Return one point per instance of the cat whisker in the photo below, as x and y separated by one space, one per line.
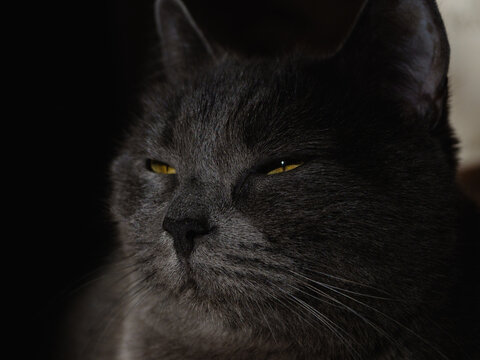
290 309
266 322
362 294
348 308
257 304
375 310
323 319
352 282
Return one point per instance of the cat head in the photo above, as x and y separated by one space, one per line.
269 186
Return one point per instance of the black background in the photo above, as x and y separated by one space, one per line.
77 70
81 63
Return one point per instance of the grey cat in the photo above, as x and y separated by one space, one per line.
297 207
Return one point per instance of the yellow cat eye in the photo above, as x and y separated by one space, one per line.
161 168
284 167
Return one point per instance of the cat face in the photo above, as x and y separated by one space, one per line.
222 146
281 184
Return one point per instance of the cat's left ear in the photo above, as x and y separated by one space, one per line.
400 47
184 47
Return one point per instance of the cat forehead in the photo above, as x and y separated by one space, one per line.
246 105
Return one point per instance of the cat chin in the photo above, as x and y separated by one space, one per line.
198 284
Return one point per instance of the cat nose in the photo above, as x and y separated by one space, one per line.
184 232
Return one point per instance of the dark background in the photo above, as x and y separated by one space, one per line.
82 61
82 66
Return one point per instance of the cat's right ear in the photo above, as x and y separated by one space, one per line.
184 47
400 48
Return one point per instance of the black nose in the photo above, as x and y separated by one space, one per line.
184 232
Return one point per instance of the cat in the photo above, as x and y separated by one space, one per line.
296 207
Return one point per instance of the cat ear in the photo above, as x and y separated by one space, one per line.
183 45
401 47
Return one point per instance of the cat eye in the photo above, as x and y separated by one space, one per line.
282 166
160 167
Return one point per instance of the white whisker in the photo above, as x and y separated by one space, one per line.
324 320
375 310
